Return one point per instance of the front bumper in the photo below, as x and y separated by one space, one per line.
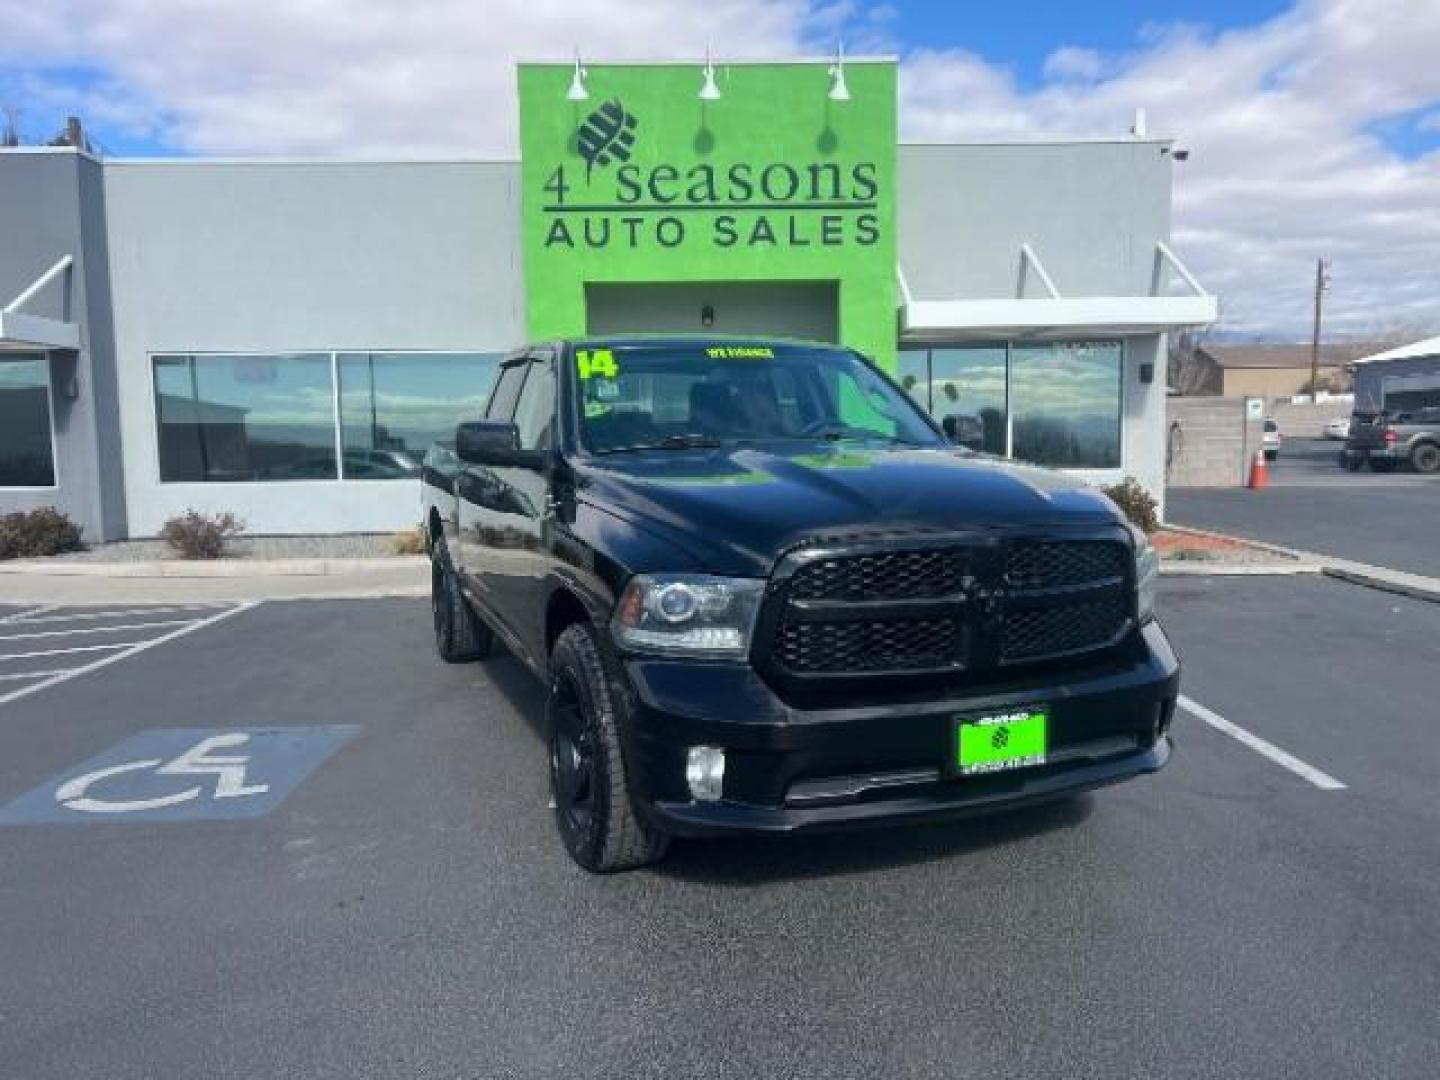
790 770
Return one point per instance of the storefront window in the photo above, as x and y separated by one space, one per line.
970 383
26 449
228 418
1066 404
1054 404
394 405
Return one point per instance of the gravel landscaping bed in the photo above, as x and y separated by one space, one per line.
1190 548
357 546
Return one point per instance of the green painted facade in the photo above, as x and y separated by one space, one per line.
643 182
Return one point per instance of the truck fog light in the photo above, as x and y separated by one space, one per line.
705 772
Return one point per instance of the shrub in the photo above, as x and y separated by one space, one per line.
196 535
1136 503
28 534
409 542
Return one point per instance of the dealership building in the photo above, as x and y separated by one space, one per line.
283 338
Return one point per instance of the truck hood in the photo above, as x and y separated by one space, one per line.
736 509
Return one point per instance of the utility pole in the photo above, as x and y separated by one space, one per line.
1322 282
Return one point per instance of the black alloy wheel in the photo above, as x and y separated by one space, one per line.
572 762
598 820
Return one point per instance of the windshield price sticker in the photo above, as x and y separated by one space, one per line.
592 362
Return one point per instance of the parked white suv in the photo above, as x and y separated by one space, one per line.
1271 440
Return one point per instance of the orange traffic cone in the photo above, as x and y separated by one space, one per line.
1259 472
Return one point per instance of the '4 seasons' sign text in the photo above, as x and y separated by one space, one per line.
611 201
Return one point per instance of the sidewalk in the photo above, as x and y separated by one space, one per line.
175 580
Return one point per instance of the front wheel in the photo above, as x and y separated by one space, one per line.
460 636
589 781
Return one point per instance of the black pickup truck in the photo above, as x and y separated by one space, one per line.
767 595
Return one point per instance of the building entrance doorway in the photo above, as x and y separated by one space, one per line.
804 309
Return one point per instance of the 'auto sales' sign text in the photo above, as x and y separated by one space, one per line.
605 200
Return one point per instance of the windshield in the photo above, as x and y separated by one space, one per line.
643 397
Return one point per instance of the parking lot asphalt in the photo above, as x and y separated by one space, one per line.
1388 520
407 911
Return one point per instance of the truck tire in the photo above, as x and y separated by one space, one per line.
589 782
460 636
1425 458
1381 465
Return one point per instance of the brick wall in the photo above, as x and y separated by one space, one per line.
1209 442
1302 420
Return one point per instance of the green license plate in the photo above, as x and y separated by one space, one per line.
1000 741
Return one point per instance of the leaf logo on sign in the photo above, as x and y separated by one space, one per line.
606 135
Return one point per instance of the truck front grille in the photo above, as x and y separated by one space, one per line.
970 606
872 645
1067 628
899 575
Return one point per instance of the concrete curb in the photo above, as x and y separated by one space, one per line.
220 568
1390 581
1399 582
1200 568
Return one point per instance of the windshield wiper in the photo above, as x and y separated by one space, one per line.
687 441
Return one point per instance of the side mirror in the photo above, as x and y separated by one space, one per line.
964 430
495 443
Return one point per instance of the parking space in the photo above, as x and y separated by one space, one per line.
42 645
403 909
1312 504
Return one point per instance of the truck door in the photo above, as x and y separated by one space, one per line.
477 489
517 566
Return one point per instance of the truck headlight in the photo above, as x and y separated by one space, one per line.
687 614
1147 575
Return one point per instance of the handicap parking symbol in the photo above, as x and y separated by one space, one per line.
182 775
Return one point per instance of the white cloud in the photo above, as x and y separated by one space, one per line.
1073 62
1281 118
354 76
1284 165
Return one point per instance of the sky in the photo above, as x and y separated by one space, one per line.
1313 127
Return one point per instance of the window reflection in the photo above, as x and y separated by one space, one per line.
912 372
26 450
1061 401
393 406
272 417
971 383
230 418
1067 404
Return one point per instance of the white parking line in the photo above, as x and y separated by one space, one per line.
95 629
30 675
72 648
19 615
115 658
1284 759
38 616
